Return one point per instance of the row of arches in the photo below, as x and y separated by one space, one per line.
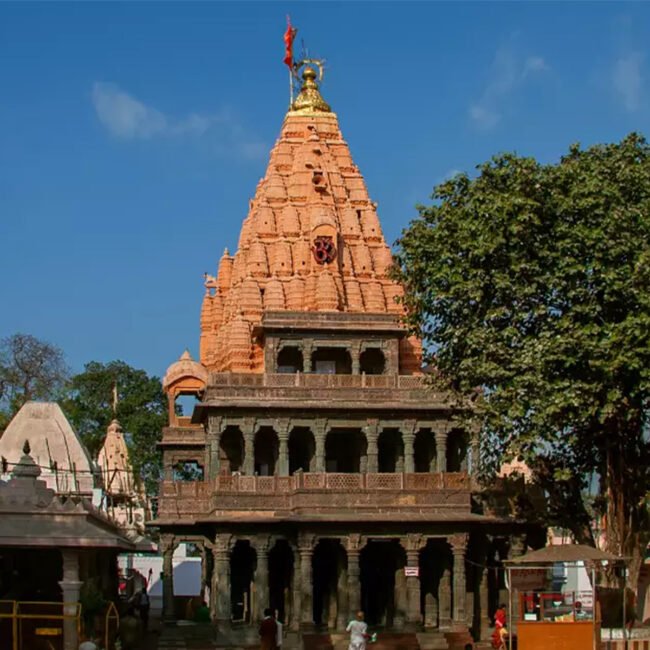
345 450
331 361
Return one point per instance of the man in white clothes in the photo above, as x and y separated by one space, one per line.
278 634
358 630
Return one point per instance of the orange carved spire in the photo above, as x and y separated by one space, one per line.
311 242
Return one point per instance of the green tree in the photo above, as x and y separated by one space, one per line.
30 369
532 283
141 408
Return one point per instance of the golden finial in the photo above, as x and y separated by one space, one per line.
309 99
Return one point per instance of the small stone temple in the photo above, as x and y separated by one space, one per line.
319 472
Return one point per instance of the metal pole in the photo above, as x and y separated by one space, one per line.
624 608
593 606
509 574
290 88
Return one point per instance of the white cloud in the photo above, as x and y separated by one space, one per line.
508 72
627 80
126 117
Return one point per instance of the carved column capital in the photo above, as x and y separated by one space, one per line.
216 425
222 545
168 543
458 543
282 427
262 544
413 542
354 542
319 427
440 428
372 427
247 426
306 543
408 429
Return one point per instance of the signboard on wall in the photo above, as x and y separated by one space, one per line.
412 571
528 579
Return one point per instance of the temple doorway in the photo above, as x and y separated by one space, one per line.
242 564
280 579
328 566
379 563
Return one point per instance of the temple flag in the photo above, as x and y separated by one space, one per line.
289 35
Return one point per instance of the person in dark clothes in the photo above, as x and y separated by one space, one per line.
268 631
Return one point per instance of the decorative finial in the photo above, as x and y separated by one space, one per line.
26 448
309 99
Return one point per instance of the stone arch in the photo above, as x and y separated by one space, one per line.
231 450
329 595
372 361
457 451
345 451
390 451
242 572
424 451
290 359
266 451
281 576
302 447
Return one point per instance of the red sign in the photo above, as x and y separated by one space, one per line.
413 571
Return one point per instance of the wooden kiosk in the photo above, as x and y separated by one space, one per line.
547 615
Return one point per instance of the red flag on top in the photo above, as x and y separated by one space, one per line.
289 35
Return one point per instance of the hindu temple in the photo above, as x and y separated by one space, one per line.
319 472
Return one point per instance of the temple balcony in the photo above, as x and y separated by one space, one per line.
325 390
444 496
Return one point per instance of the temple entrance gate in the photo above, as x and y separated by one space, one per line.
383 588
281 577
242 563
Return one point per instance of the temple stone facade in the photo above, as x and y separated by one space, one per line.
319 473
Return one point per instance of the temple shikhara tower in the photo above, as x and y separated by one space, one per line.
319 473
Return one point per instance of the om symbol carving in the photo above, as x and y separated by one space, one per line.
324 250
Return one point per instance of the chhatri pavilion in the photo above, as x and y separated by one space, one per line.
327 475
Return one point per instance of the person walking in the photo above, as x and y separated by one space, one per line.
268 631
358 630
143 604
130 631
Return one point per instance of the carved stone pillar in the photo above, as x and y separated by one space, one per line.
355 356
306 545
484 595
320 433
296 591
307 348
408 438
247 427
399 618
282 429
215 429
444 594
475 448
458 548
412 545
168 545
517 547
441 430
353 545
220 606
371 430
70 586
262 547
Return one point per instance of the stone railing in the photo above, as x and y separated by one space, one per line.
302 380
317 494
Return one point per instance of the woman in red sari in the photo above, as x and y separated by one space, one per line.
500 632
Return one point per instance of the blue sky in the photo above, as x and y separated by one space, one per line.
133 135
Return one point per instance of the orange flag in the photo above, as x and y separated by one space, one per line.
289 35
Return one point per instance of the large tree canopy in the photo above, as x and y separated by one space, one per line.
532 283
141 408
30 369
